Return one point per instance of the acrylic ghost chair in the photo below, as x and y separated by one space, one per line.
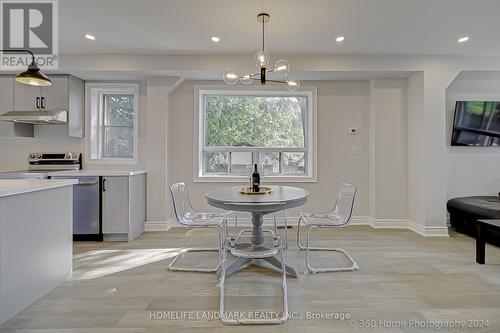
339 217
188 217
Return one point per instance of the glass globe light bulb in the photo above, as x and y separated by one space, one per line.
282 66
230 77
262 58
292 84
246 78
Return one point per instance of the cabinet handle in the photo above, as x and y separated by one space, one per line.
104 184
38 102
43 103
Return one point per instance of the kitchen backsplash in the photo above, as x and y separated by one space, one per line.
14 150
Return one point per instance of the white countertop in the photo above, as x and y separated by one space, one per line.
90 172
19 186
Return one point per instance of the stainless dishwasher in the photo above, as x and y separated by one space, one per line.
86 208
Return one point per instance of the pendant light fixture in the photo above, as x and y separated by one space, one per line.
262 60
32 76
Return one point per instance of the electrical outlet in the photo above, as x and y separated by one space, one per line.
353 131
354 150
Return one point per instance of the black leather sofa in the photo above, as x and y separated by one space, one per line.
464 212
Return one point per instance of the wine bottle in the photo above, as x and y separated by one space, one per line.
255 180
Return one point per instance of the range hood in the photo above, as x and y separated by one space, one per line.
36 117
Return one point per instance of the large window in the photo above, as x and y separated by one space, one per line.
112 122
238 129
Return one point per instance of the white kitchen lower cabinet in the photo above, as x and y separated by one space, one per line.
123 207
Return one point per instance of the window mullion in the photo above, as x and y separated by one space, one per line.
280 163
101 125
256 149
306 165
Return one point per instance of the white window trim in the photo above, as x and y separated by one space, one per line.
93 94
311 140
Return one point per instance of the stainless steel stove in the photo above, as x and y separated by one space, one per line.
41 164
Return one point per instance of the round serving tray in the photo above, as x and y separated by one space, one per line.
262 190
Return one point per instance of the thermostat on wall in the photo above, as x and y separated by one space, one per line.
353 131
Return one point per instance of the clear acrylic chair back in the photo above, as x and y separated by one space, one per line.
182 205
345 202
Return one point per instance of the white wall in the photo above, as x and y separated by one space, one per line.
472 170
388 150
416 150
340 105
14 151
158 91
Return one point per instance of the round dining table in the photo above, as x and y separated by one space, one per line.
280 198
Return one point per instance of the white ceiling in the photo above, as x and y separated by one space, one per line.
371 27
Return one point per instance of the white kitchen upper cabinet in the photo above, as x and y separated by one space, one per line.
67 93
8 128
76 107
56 97
26 97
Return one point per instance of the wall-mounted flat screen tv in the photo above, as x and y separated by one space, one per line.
476 124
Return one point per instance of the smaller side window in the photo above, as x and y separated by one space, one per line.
112 116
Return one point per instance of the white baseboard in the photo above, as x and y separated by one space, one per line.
159 225
380 223
401 224
356 220
115 238
428 231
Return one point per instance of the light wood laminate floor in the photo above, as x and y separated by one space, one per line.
404 281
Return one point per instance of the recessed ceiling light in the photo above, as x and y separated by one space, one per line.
340 39
89 37
463 39
215 39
